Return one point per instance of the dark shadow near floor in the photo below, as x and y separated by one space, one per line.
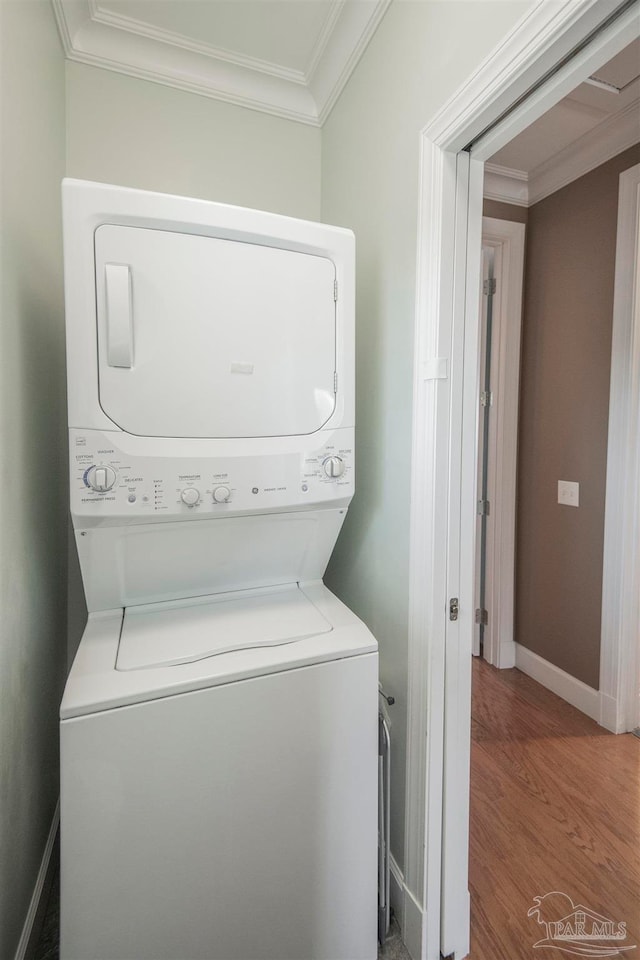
47 937
393 947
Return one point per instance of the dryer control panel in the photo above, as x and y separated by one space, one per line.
108 483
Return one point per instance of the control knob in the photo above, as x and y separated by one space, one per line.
333 467
190 496
101 478
221 494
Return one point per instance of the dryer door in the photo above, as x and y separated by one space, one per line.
204 337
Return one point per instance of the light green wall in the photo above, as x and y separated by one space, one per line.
140 134
421 53
33 459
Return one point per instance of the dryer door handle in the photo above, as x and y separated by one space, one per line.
117 281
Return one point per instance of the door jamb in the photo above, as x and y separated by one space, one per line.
544 37
507 239
619 654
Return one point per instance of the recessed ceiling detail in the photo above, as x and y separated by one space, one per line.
282 57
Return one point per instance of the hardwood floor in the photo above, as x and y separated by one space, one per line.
555 806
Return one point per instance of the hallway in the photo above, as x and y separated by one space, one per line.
555 806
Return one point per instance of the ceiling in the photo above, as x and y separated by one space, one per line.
598 119
290 58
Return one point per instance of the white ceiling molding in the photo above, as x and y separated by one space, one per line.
611 136
506 185
97 36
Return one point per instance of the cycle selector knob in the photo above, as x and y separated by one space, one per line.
333 467
101 478
190 496
221 494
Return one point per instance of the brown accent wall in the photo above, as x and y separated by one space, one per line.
564 407
505 211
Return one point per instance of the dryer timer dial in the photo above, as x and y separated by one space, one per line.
333 467
101 478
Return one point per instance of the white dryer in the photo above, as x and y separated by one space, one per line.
219 724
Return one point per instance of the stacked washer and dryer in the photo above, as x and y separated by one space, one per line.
219 725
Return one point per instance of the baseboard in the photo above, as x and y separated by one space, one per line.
32 912
407 911
396 893
574 691
413 929
609 714
507 655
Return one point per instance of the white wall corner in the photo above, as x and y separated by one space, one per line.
574 691
506 185
32 912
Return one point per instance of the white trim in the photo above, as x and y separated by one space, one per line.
547 34
574 691
619 659
616 133
139 49
506 185
32 912
507 240
396 891
607 140
428 583
603 47
413 932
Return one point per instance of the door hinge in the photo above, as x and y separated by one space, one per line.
486 398
335 289
484 508
454 607
335 381
489 287
482 616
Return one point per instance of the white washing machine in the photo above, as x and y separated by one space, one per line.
219 724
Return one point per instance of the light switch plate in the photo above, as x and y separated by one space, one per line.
569 493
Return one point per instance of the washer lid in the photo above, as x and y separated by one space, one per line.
165 634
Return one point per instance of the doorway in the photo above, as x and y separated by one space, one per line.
447 351
531 752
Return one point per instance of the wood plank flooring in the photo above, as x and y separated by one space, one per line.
555 806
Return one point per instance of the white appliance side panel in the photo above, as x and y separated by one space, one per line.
147 563
237 823
206 337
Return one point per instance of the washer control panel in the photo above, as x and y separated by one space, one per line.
110 483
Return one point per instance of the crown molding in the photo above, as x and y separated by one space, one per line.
610 137
506 184
124 45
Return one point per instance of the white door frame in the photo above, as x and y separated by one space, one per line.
436 902
506 238
620 643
